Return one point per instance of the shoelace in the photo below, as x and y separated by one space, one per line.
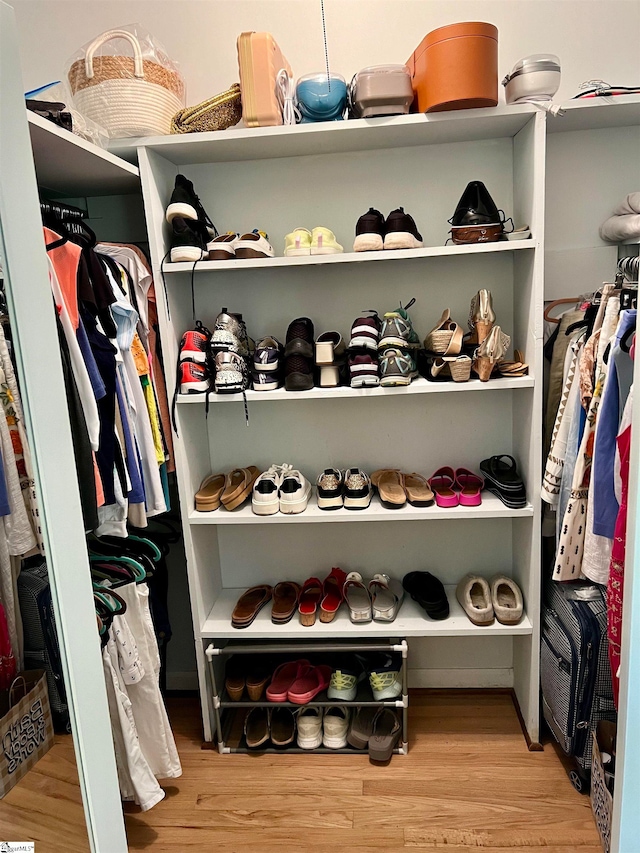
275 471
380 680
342 681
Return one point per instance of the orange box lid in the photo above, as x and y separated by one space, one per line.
451 31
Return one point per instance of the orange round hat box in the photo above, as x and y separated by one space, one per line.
456 68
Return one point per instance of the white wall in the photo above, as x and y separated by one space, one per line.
593 38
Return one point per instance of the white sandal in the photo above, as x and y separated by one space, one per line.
357 597
387 595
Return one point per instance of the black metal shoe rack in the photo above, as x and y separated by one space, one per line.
229 715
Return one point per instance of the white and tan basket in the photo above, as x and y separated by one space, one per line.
128 96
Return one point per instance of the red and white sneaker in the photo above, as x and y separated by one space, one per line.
194 378
193 346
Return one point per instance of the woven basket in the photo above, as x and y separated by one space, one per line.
128 96
217 113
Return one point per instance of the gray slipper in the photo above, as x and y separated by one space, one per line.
386 733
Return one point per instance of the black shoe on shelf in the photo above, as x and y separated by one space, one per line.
401 231
298 355
428 592
187 241
476 218
186 204
370 230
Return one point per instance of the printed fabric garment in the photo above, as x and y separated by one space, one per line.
605 505
12 405
557 374
154 731
597 549
135 777
615 586
574 437
552 477
5 509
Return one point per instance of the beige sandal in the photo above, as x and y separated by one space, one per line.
417 489
518 367
445 338
210 491
457 367
491 351
391 489
482 317
238 486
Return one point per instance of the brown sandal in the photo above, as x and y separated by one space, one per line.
249 605
238 486
285 602
418 490
210 491
391 489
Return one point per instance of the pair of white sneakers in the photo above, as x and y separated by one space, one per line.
281 488
323 726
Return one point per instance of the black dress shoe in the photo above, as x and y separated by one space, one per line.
429 592
476 207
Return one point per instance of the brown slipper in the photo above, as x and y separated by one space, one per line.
285 602
391 489
238 486
210 491
249 605
418 490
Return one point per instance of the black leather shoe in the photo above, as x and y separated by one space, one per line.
476 207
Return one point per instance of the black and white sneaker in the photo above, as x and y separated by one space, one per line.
185 204
358 490
401 231
265 381
330 485
268 355
230 335
187 241
231 373
370 229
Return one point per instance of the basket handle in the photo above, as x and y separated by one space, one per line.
138 66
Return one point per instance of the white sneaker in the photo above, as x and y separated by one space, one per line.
336 727
265 499
295 491
309 728
254 245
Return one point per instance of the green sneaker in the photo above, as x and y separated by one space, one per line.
397 330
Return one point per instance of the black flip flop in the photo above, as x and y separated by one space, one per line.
503 474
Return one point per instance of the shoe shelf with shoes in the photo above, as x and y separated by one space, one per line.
332 697
309 335
412 621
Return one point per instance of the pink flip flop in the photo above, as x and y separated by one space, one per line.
311 681
443 486
284 676
469 486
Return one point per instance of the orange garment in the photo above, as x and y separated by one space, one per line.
98 478
66 260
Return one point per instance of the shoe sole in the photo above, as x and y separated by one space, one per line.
365 382
310 743
402 240
326 250
186 253
368 243
358 503
392 381
198 356
194 387
334 742
220 254
181 209
391 341
266 386
330 503
298 382
294 507
247 254
265 508
297 253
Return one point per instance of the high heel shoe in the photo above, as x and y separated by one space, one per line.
481 316
492 350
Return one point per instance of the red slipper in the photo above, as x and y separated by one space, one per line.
312 680
310 596
284 676
333 594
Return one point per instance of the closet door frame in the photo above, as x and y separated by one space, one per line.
47 423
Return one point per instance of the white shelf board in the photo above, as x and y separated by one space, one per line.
418 386
69 165
491 507
411 621
597 113
261 143
352 257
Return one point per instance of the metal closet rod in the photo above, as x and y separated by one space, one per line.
286 648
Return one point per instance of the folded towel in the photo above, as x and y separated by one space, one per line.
631 204
616 229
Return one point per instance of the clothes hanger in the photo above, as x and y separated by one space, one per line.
140 573
569 300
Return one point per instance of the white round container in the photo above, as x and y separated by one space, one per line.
534 78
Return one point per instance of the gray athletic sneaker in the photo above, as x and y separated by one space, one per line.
397 367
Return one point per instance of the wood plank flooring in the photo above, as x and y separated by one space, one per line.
468 783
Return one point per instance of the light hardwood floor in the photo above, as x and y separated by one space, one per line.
468 782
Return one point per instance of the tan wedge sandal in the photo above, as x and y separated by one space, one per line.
210 492
490 352
238 486
482 317
417 489
446 337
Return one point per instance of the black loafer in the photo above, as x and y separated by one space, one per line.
429 592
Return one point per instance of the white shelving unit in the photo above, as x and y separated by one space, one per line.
276 179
